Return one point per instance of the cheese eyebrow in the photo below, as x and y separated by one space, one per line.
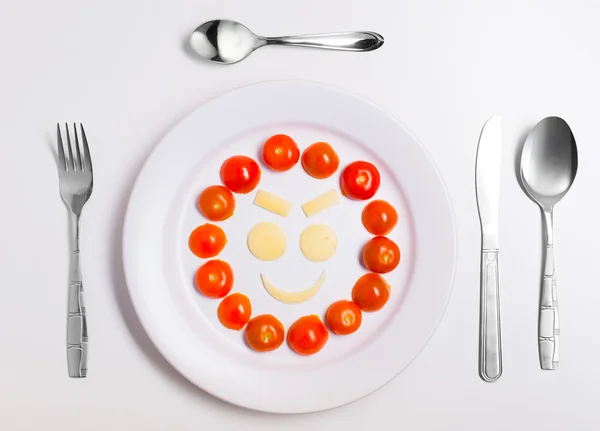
272 203
321 203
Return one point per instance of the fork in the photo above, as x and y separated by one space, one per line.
75 178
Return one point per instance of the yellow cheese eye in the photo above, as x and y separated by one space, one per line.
318 242
267 241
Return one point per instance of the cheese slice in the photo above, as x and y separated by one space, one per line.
318 242
293 297
321 203
272 203
266 241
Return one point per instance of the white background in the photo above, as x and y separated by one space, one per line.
121 68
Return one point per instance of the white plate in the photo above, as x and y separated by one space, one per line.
160 268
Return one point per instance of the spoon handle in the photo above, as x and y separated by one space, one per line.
548 329
490 341
344 41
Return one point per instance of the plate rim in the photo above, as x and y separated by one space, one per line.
136 302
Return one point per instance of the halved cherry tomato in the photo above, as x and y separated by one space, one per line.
240 174
280 153
320 161
214 279
216 203
207 241
379 217
371 292
234 311
343 317
264 333
381 255
360 180
307 335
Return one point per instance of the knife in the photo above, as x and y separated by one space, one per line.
487 180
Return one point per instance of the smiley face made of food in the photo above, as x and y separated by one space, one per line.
267 241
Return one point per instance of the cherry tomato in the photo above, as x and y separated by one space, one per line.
307 335
371 292
234 311
214 279
379 217
360 180
343 317
381 255
216 203
207 241
320 161
264 333
240 174
280 153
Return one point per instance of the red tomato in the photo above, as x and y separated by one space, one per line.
264 333
214 279
280 153
343 317
234 311
207 241
360 180
371 292
379 217
307 335
381 255
216 203
240 174
320 161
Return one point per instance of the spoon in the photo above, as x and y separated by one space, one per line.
227 42
548 168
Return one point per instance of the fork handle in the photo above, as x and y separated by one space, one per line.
77 334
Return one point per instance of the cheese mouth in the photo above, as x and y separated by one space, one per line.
293 297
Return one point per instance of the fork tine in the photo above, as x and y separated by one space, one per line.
71 163
61 151
79 162
86 150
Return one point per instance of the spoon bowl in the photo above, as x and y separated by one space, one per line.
549 162
547 171
224 41
228 42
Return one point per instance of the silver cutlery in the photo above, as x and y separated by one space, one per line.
75 182
548 168
487 178
227 42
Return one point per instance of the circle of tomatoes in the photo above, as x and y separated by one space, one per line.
214 279
207 240
280 153
240 174
264 333
379 217
234 311
216 203
381 255
343 317
360 180
307 335
370 292
320 160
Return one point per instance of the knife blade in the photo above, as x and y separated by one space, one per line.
487 180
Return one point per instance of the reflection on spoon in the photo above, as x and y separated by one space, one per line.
227 42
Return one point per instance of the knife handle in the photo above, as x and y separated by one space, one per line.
490 342
548 329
